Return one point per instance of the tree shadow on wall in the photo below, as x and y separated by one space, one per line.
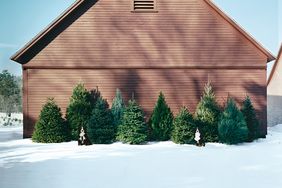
258 95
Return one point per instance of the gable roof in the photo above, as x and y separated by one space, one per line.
19 56
33 47
275 65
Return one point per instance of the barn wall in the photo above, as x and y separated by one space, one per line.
180 86
174 50
182 33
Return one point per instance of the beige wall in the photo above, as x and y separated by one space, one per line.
274 110
274 95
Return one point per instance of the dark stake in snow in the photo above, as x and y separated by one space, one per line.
198 138
83 138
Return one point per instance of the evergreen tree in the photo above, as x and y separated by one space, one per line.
100 128
95 94
8 84
251 119
10 93
184 128
117 108
207 115
51 127
232 126
79 110
133 129
161 120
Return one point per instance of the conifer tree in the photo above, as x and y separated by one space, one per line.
95 94
133 129
207 115
100 128
79 110
251 119
232 127
117 108
51 127
161 120
184 127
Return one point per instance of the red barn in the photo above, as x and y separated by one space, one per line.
143 47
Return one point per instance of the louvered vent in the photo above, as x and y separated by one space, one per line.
143 5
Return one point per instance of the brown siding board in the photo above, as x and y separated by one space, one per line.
186 33
181 86
27 129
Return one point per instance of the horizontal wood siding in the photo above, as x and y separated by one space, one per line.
181 34
180 86
175 49
27 122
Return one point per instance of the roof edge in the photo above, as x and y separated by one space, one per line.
275 65
45 30
270 56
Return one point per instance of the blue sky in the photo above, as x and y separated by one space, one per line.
21 20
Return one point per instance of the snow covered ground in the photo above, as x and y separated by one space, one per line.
16 119
156 165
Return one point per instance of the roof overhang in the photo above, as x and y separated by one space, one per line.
275 65
18 56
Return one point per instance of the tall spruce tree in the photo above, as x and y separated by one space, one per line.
207 115
249 113
51 127
161 120
133 129
184 127
232 127
118 108
100 128
79 110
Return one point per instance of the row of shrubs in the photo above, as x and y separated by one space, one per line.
104 125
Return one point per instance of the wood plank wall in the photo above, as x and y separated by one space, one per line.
182 33
180 86
174 50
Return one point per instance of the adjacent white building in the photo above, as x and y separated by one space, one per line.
274 93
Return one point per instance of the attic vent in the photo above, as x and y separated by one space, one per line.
144 6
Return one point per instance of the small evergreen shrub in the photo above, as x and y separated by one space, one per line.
184 128
117 108
51 127
232 126
79 110
207 115
161 120
251 119
100 128
133 129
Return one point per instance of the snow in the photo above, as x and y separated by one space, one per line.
13 130
157 165
16 119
